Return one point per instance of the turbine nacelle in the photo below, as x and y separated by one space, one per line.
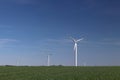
76 40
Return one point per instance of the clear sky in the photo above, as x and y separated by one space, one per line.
31 29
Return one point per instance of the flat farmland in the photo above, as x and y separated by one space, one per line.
59 73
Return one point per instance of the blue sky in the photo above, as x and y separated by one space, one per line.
31 29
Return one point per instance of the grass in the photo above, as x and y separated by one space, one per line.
59 73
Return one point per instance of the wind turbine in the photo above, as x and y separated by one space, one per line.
48 59
18 61
75 49
84 64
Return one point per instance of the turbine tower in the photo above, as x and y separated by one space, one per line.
75 49
48 59
18 62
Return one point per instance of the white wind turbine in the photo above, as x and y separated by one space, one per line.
48 59
75 49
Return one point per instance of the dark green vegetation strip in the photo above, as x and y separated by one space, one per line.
59 73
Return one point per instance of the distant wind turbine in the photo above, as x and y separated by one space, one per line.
48 59
18 62
75 49
84 64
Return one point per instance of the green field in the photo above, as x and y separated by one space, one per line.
59 73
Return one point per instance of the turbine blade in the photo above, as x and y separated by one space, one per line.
73 39
75 46
79 39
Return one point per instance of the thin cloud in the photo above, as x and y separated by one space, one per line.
59 40
49 43
111 42
4 42
103 42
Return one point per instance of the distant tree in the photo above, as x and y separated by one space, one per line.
60 65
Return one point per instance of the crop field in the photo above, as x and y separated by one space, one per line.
59 73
